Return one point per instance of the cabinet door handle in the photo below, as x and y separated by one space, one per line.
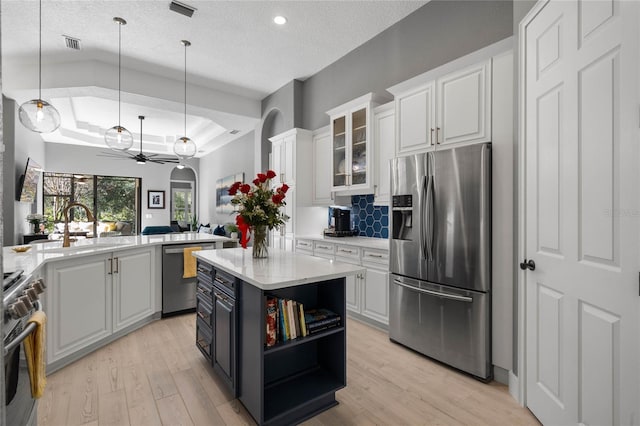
374 255
282 177
346 251
432 136
437 135
117 269
110 270
324 247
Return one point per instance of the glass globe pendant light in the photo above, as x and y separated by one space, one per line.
184 147
118 138
38 115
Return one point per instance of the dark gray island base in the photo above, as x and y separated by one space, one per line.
291 381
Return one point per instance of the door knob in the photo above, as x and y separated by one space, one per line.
530 265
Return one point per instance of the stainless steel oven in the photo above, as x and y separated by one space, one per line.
20 301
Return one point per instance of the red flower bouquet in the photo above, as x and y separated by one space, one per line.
258 209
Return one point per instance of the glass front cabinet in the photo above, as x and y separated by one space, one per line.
352 149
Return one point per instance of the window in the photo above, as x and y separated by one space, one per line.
113 200
181 203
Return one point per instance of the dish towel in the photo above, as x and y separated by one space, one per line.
189 268
34 346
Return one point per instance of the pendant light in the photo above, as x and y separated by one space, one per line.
184 147
118 138
38 115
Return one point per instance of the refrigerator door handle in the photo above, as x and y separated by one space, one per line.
430 220
436 293
423 194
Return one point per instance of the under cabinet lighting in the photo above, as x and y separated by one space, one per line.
280 20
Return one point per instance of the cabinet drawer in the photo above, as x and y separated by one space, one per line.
225 282
379 257
305 246
347 253
322 249
204 311
204 340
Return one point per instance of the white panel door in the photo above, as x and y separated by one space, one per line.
464 105
289 160
276 163
581 222
134 287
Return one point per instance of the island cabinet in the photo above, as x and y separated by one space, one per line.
91 299
288 381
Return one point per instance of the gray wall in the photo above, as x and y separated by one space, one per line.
433 35
20 144
235 157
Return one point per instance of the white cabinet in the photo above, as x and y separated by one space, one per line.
291 152
79 304
455 107
367 293
351 148
92 297
415 112
384 142
321 194
133 286
464 105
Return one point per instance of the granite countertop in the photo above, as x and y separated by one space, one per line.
41 253
280 270
366 242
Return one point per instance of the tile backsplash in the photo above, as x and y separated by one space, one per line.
369 220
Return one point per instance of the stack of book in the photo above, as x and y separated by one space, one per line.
287 320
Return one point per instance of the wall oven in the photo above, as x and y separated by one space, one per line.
21 300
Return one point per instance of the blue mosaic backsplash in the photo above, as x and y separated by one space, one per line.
369 220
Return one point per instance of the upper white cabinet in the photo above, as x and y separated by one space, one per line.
290 160
321 193
351 148
455 107
464 105
384 142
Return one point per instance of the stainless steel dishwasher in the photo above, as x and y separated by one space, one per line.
178 294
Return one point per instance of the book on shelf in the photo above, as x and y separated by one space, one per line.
272 325
287 320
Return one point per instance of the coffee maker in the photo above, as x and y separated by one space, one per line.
342 223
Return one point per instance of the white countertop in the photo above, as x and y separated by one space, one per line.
41 253
281 269
366 242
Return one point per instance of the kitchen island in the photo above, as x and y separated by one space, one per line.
292 380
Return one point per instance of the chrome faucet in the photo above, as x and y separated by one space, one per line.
66 241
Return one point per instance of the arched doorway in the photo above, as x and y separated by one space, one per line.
183 194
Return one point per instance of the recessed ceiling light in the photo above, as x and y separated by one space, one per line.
280 20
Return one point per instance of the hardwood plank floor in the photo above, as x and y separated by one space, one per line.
156 376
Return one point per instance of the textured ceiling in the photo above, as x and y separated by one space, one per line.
236 47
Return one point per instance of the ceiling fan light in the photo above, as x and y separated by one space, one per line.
184 148
180 165
118 138
39 116
141 161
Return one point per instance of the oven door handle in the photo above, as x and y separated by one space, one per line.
25 333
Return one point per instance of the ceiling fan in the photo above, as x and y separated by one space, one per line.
141 158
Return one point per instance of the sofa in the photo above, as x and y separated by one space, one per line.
104 229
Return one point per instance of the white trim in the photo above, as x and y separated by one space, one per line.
519 382
514 388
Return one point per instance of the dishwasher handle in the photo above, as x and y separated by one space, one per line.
436 293
181 250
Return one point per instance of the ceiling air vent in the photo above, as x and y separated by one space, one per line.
71 42
234 131
182 8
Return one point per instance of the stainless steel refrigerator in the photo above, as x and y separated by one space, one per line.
440 249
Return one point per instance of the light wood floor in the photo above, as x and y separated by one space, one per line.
156 376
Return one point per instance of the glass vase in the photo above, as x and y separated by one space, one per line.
260 242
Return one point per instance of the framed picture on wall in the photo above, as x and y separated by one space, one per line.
223 199
155 199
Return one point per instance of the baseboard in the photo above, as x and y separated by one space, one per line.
500 375
368 321
514 388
